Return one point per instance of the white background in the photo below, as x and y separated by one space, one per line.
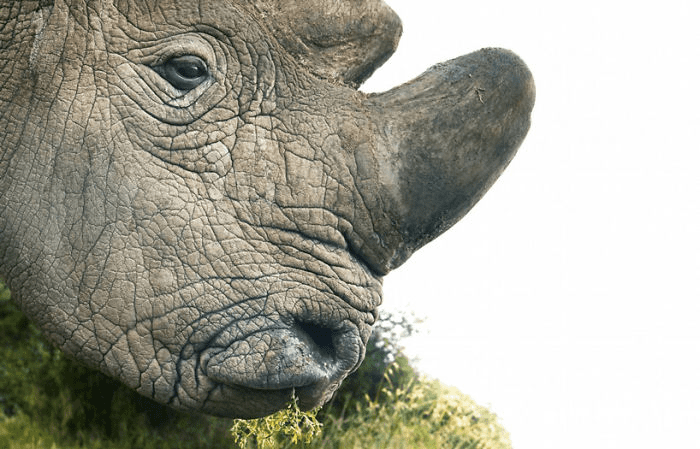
568 299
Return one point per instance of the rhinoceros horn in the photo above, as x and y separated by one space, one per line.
447 137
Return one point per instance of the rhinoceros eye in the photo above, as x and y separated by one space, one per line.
184 72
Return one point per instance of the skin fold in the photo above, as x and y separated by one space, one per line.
196 200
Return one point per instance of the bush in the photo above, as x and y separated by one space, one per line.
384 350
49 401
424 414
67 404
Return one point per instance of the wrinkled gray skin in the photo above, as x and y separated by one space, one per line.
195 200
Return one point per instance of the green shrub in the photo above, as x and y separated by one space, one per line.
64 403
422 414
48 401
384 404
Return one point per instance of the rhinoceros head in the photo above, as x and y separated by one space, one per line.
195 199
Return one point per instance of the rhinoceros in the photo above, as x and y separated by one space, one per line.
197 200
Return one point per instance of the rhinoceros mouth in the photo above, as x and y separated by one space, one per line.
310 360
299 328
299 356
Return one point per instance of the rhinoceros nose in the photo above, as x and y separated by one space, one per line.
310 359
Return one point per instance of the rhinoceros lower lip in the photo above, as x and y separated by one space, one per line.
307 397
265 402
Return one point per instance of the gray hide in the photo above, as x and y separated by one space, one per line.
195 199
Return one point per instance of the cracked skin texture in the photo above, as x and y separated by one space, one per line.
195 199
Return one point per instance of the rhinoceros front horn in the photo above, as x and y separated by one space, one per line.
447 136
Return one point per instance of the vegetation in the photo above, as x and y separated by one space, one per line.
50 402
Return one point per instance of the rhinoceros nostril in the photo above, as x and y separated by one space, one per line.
319 338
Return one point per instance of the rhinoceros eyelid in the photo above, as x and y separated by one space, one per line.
184 72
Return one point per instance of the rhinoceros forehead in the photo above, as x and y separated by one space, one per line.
341 41
168 15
